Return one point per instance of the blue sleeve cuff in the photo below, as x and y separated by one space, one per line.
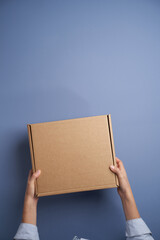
27 231
76 238
136 227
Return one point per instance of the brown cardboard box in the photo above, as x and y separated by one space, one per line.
74 155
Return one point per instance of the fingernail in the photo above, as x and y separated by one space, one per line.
112 166
38 171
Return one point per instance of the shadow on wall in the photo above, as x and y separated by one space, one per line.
54 103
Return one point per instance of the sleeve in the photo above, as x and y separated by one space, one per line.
27 231
76 238
136 229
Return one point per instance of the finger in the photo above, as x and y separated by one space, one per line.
119 162
35 175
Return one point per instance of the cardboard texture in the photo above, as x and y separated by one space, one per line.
74 155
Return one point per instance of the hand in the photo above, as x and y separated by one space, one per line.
125 191
30 189
124 188
30 200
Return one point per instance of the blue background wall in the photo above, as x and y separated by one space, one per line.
69 59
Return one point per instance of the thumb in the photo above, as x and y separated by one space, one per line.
114 169
35 175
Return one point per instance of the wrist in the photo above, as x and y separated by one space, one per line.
127 195
129 206
29 211
30 202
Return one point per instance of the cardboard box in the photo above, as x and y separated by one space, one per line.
74 155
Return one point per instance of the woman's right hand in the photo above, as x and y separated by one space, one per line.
124 188
125 192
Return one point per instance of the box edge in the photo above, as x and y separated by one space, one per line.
43 194
112 145
32 155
